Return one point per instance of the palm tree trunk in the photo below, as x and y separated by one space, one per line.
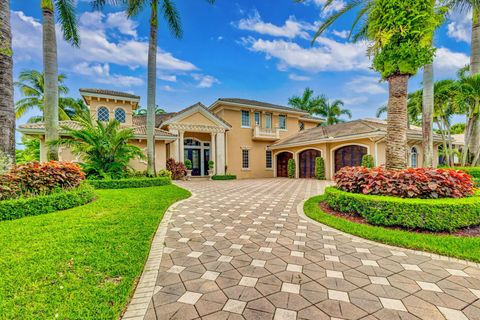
427 116
50 69
474 70
7 109
151 88
396 153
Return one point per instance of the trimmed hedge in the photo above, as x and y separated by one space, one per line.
319 168
224 177
33 206
130 183
429 214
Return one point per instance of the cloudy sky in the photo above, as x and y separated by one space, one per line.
255 49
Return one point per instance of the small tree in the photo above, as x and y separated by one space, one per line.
188 164
367 161
211 165
291 168
319 168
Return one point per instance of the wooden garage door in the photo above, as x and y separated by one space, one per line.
282 163
350 156
307 163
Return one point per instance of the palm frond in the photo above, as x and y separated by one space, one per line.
68 23
172 16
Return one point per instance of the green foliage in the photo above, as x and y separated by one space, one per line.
458 128
188 164
367 161
402 33
30 152
33 206
164 173
130 183
319 168
103 146
427 214
308 102
291 168
224 177
473 171
449 245
211 165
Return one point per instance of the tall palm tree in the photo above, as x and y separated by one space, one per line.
66 15
7 111
308 102
32 86
332 111
141 111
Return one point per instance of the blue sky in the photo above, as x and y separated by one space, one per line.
236 48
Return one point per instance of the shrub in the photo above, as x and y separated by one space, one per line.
224 177
177 169
164 173
36 178
23 207
408 183
319 168
211 165
291 168
429 214
473 171
130 183
188 164
367 161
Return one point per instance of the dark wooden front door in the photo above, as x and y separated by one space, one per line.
307 163
349 156
282 163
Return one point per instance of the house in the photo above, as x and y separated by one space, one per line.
248 138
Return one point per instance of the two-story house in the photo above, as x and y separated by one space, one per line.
248 138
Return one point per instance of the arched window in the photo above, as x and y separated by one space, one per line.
120 115
413 157
103 114
191 142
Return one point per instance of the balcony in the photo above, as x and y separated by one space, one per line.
266 134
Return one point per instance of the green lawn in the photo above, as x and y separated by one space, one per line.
459 247
80 263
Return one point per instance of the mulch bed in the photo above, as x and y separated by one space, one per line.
465 232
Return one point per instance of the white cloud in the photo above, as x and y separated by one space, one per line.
366 84
354 101
291 29
205 81
168 88
341 34
335 6
120 21
447 62
460 27
167 77
296 77
326 55
100 73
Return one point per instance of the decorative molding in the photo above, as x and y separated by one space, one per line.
196 128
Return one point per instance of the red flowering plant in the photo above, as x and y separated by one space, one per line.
177 169
409 183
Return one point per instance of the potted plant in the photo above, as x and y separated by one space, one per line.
211 165
188 165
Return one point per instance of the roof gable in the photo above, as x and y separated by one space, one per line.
197 114
256 104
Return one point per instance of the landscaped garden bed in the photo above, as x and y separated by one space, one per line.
130 183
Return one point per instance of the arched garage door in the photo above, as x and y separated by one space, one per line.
307 163
349 156
282 163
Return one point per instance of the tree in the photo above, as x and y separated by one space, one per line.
66 14
32 86
332 111
142 111
7 110
308 102
103 146
30 151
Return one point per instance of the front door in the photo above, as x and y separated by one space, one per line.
349 156
282 164
194 156
307 163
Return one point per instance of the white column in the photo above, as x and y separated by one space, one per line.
213 154
181 147
220 164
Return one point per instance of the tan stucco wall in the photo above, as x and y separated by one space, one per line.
198 118
111 105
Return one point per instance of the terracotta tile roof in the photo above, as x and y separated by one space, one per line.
255 103
141 120
109 93
310 117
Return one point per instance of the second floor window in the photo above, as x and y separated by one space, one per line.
103 114
257 119
245 159
282 121
120 115
268 120
245 118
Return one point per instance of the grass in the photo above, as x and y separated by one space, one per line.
459 247
81 263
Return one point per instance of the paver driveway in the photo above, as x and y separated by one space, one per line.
240 250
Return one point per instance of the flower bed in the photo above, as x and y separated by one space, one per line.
130 183
473 171
428 214
32 206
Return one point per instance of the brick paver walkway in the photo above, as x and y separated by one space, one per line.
240 250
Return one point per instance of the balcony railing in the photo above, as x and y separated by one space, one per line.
266 134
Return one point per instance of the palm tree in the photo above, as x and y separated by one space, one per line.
103 146
308 102
66 14
7 111
32 86
332 111
142 111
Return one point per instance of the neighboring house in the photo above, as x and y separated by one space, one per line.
248 138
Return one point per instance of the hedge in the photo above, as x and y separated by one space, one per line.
224 177
33 206
429 214
130 183
473 171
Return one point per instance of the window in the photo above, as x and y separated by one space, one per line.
103 114
120 115
301 125
268 120
245 119
245 159
191 142
268 159
282 121
257 119
413 157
